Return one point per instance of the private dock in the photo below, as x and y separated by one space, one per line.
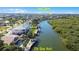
30 44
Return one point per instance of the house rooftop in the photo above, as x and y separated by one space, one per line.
9 38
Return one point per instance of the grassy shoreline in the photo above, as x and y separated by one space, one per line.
68 30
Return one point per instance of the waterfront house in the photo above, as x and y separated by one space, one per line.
8 39
20 30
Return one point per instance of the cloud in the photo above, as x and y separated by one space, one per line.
16 11
19 10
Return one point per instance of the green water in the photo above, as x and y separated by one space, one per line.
48 38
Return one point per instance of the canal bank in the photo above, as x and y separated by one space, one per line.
48 39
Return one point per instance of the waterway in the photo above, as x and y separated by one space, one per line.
48 38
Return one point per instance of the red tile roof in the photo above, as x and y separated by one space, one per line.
9 38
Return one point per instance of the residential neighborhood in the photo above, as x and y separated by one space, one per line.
20 33
39 29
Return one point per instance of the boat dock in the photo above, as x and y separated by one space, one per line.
30 44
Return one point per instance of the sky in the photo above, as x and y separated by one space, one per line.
39 10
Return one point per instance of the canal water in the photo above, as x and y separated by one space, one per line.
48 38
